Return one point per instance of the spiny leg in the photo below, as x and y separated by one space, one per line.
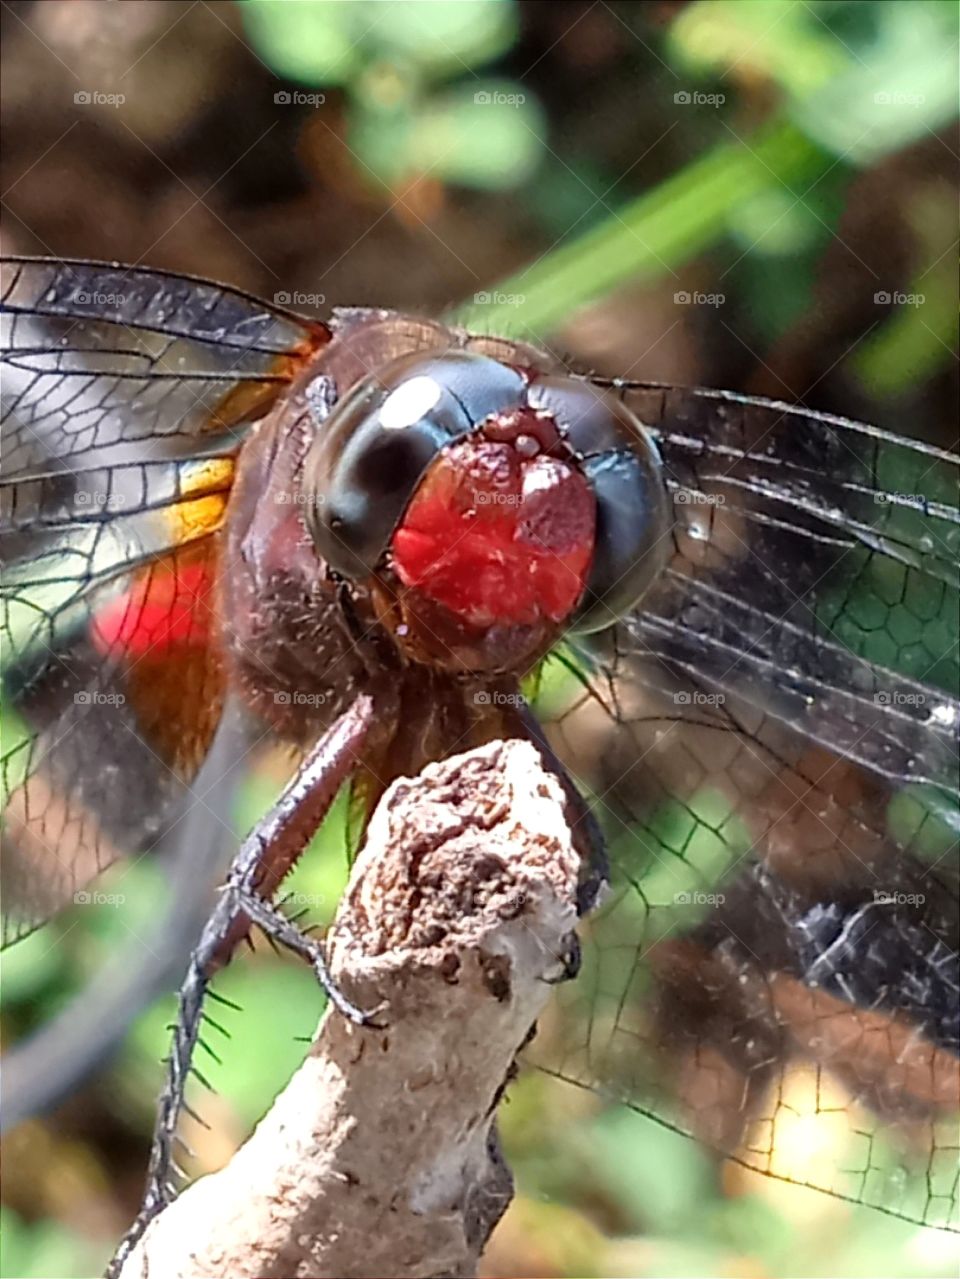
587 836
264 858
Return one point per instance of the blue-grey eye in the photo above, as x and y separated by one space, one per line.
377 442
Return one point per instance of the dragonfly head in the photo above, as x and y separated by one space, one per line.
488 507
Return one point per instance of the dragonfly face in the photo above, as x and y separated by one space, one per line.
205 497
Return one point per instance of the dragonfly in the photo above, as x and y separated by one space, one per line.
729 623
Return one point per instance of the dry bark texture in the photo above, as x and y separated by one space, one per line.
380 1158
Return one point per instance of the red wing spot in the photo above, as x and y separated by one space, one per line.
165 608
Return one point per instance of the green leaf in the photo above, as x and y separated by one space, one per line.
45 1250
313 41
488 136
924 820
319 42
279 1004
861 88
683 852
656 1175
30 966
442 37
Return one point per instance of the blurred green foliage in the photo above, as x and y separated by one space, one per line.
395 64
854 82
860 79
667 226
45 1250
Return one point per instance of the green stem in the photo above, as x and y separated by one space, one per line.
661 229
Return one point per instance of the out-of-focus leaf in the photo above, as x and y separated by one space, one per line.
314 42
764 38
919 337
488 137
45 1250
926 820
862 90
775 224
15 754
683 853
30 965
321 42
778 224
657 1176
443 37
574 191
122 903
281 1003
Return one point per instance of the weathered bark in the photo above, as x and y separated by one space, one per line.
380 1158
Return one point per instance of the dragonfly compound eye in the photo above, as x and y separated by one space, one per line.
371 452
621 463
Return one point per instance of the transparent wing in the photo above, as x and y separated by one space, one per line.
125 395
97 358
777 730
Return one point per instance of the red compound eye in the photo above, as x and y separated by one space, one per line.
497 537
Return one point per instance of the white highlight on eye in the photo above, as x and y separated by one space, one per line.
409 402
538 481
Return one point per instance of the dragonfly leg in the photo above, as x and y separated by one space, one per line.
276 925
587 835
571 957
160 1190
264 858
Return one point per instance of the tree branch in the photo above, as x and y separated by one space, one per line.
381 1156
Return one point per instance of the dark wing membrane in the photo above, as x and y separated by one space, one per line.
776 966
125 395
98 358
